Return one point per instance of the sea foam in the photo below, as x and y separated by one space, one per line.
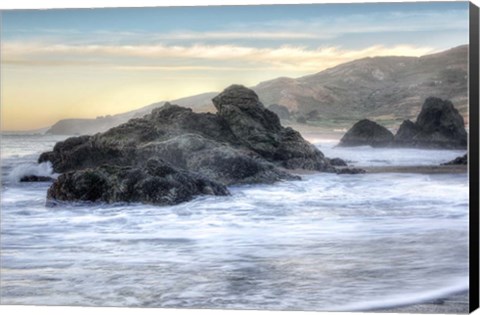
461 285
29 169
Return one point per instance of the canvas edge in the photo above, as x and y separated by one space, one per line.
473 156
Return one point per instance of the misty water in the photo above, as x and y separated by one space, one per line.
327 242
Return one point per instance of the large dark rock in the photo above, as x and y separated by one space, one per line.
407 130
157 183
243 143
254 125
260 130
367 132
82 152
439 125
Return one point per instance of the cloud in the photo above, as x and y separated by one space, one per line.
326 27
236 35
392 21
319 28
182 68
195 57
59 35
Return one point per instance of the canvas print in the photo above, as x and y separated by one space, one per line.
275 157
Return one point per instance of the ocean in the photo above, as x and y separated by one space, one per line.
326 242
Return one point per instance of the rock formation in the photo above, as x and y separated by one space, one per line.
367 132
243 143
439 125
461 160
156 183
337 162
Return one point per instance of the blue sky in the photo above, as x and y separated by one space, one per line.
89 62
350 25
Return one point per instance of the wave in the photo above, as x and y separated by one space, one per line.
28 169
406 299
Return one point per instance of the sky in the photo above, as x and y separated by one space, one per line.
84 63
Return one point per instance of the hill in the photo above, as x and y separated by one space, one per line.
385 89
78 126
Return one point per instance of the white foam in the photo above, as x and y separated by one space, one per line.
313 244
29 169
363 156
460 285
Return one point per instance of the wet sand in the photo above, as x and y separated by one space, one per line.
430 169
453 304
422 169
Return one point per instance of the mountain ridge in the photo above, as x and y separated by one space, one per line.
388 89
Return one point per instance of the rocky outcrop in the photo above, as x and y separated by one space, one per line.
367 132
461 160
439 125
407 130
243 143
157 183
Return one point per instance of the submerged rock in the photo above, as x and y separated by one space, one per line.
439 125
35 178
461 160
367 132
243 143
350 170
337 162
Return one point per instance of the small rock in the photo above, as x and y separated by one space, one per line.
367 132
35 178
461 160
337 162
349 170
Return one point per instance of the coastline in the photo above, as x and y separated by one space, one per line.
420 169
454 303
412 169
